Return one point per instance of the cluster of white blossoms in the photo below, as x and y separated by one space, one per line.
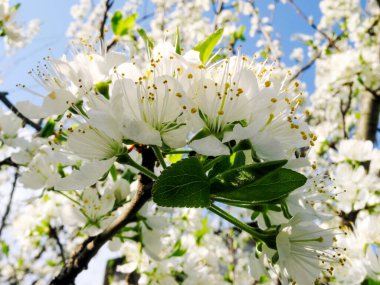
103 108
15 35
235 117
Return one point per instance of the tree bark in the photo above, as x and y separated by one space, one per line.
369 117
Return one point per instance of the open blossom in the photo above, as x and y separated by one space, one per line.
153 97
302 248
356 150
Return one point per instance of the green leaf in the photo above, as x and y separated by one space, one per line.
103 88
237 159
183 184
48 129
121 26
256 183
4 247
370 281
148 42
178 250
178 42
206 46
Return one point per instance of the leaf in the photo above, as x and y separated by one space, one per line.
370 281
178 42
183 184
48 129
148 42
120 26
103 88
206 46
237 159
257 183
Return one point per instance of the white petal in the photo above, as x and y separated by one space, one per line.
210 146
143 133
86 176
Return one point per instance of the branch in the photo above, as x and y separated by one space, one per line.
54 235
109 4
8 209
87 250
8 161
344 109
312 60
312 25
12 107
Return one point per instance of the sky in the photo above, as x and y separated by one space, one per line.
55 18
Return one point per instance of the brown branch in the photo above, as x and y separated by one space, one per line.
109 4
9 205
344 109
88 249
312 24
54 235
12 107
313 59
8 161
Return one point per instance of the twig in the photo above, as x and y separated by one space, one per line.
344 109
12 107
9 205
8 161
109 4
53 234
312 25
313 59
87 250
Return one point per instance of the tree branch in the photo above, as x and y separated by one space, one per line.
12 107
312 25
109 4
9 205
8 161
87 250
54 235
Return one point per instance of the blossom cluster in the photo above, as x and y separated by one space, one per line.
15 35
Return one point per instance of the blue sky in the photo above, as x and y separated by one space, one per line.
55 17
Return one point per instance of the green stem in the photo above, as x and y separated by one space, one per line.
159 156
243 226
180 151
67 196
125 158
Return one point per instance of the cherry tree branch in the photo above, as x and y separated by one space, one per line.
9 205
8 161
54 235
345 108
88 249
312 24
13 108
311 62
109 4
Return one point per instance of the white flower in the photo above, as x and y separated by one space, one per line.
356 150
87 175
373 256
301 246
9 125
150 103
93 144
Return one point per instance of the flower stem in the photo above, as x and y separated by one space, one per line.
65 195
125 158
159 156
243 226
